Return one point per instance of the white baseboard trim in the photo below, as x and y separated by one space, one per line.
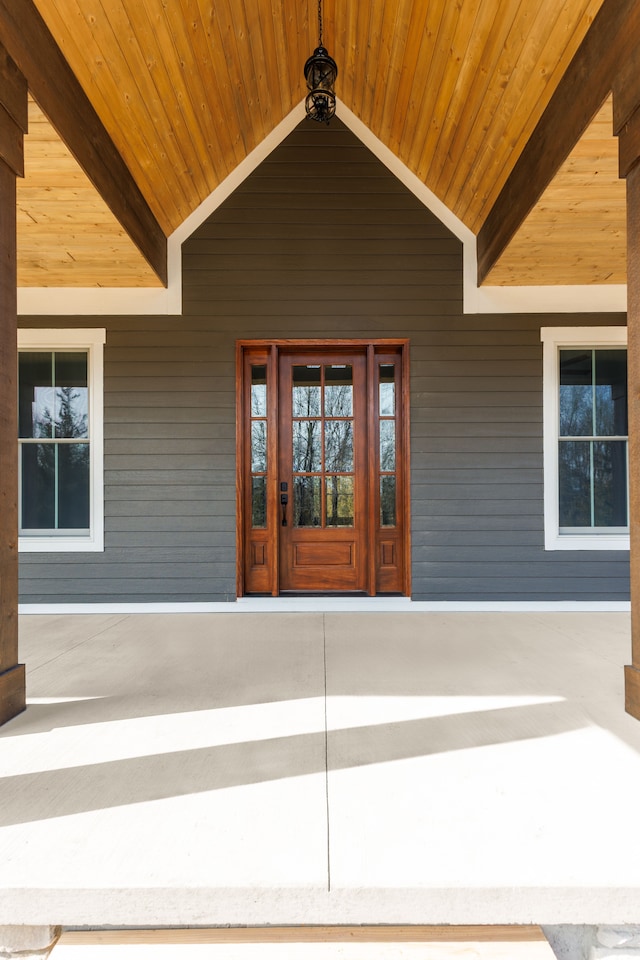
335 605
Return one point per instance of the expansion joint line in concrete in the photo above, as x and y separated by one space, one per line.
326 748
67 650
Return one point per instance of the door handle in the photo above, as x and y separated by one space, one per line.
284 500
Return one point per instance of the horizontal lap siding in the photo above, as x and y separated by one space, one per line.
477 490
169 473
323 241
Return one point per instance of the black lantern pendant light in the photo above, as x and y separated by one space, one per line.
320 72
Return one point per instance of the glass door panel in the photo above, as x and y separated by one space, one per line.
322 444
387 444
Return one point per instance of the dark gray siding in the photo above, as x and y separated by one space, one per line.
322 241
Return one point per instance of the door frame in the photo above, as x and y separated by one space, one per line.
268 351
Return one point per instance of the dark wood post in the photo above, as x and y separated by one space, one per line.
632 672
13 126
626 122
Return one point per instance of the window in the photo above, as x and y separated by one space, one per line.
60 462
586 497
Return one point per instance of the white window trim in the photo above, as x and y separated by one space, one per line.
553 338
92 340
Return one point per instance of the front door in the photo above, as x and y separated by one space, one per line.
322 468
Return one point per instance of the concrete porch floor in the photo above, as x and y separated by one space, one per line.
321 768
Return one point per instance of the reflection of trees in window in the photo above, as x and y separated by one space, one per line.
55 486
306 459
322 443
575 484
259 446
593 468
338 445
338 439
338 401
54 432
258 413
593 483
306 446
387 451
306 499
259 502
340 501
306 391
72 416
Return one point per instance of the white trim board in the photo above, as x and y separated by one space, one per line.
154 301
578 298
334 605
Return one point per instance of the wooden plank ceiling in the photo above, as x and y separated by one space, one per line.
187 88
577 231
67 236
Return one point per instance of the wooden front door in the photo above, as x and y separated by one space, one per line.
322 472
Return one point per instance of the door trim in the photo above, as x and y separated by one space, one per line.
268 350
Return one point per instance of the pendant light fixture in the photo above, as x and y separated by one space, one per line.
320 72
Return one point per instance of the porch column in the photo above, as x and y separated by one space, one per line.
632 672
626 126
28 943
13 126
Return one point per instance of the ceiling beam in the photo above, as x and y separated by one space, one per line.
606 47
54 86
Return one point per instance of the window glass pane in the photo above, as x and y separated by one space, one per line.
576 393
258 391
611 393
338 391
306 446
38 486
259 502
574 463
72 396
36 395
387 390
387 444
339 501
52 470
306 391
338 446
73 486
259 446
306 502
71 368
387 501
610 483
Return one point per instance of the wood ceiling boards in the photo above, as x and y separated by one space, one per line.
576 233
187 88
67 236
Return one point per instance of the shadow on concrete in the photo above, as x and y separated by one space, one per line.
62 792
146 665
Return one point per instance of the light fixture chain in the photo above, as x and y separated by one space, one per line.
319 23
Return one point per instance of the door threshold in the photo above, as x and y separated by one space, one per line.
322 603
